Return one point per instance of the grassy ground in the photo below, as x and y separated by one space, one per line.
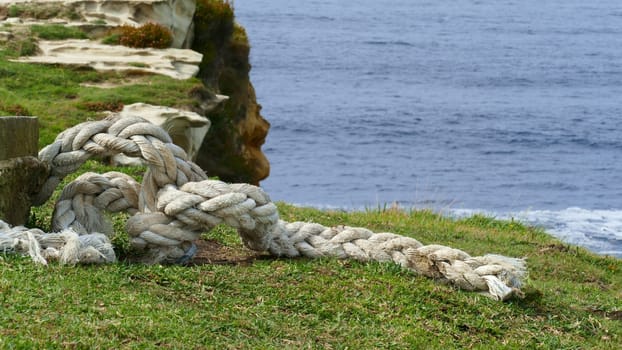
246 300
249 300
62 97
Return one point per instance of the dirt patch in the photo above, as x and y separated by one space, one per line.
555 248
612 315
213 252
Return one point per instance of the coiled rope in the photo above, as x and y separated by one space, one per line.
176 203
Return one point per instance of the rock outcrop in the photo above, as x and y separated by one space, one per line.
232 147
237 155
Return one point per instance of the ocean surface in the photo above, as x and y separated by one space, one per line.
509 108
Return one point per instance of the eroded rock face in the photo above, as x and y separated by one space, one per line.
232 147
21 173
175 63
176 15
254 129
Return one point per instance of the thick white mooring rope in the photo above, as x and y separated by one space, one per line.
176 203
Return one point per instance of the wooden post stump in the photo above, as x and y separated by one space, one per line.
21 172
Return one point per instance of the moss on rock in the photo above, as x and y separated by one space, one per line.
232 147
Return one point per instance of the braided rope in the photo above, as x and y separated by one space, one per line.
176 203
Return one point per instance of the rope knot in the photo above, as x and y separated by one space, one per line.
176 203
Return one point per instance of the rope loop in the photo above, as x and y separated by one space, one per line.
176 203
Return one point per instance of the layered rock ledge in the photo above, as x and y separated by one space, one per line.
175 63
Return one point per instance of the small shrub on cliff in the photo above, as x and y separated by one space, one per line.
213 11
148 35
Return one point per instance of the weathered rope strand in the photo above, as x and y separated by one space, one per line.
176 203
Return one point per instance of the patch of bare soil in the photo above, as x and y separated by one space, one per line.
612 315
213 252
564 248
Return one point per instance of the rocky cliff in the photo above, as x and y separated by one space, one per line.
232 147
206 48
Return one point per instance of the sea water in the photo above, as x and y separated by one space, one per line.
510 108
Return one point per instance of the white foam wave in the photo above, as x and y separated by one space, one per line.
597 230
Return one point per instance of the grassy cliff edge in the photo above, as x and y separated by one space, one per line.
235 298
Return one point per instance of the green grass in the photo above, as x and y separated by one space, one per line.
21 46
572 297
138 64
57 94
15 10
57 32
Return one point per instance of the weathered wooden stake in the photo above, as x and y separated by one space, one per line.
21 172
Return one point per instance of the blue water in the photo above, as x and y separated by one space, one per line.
506 107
